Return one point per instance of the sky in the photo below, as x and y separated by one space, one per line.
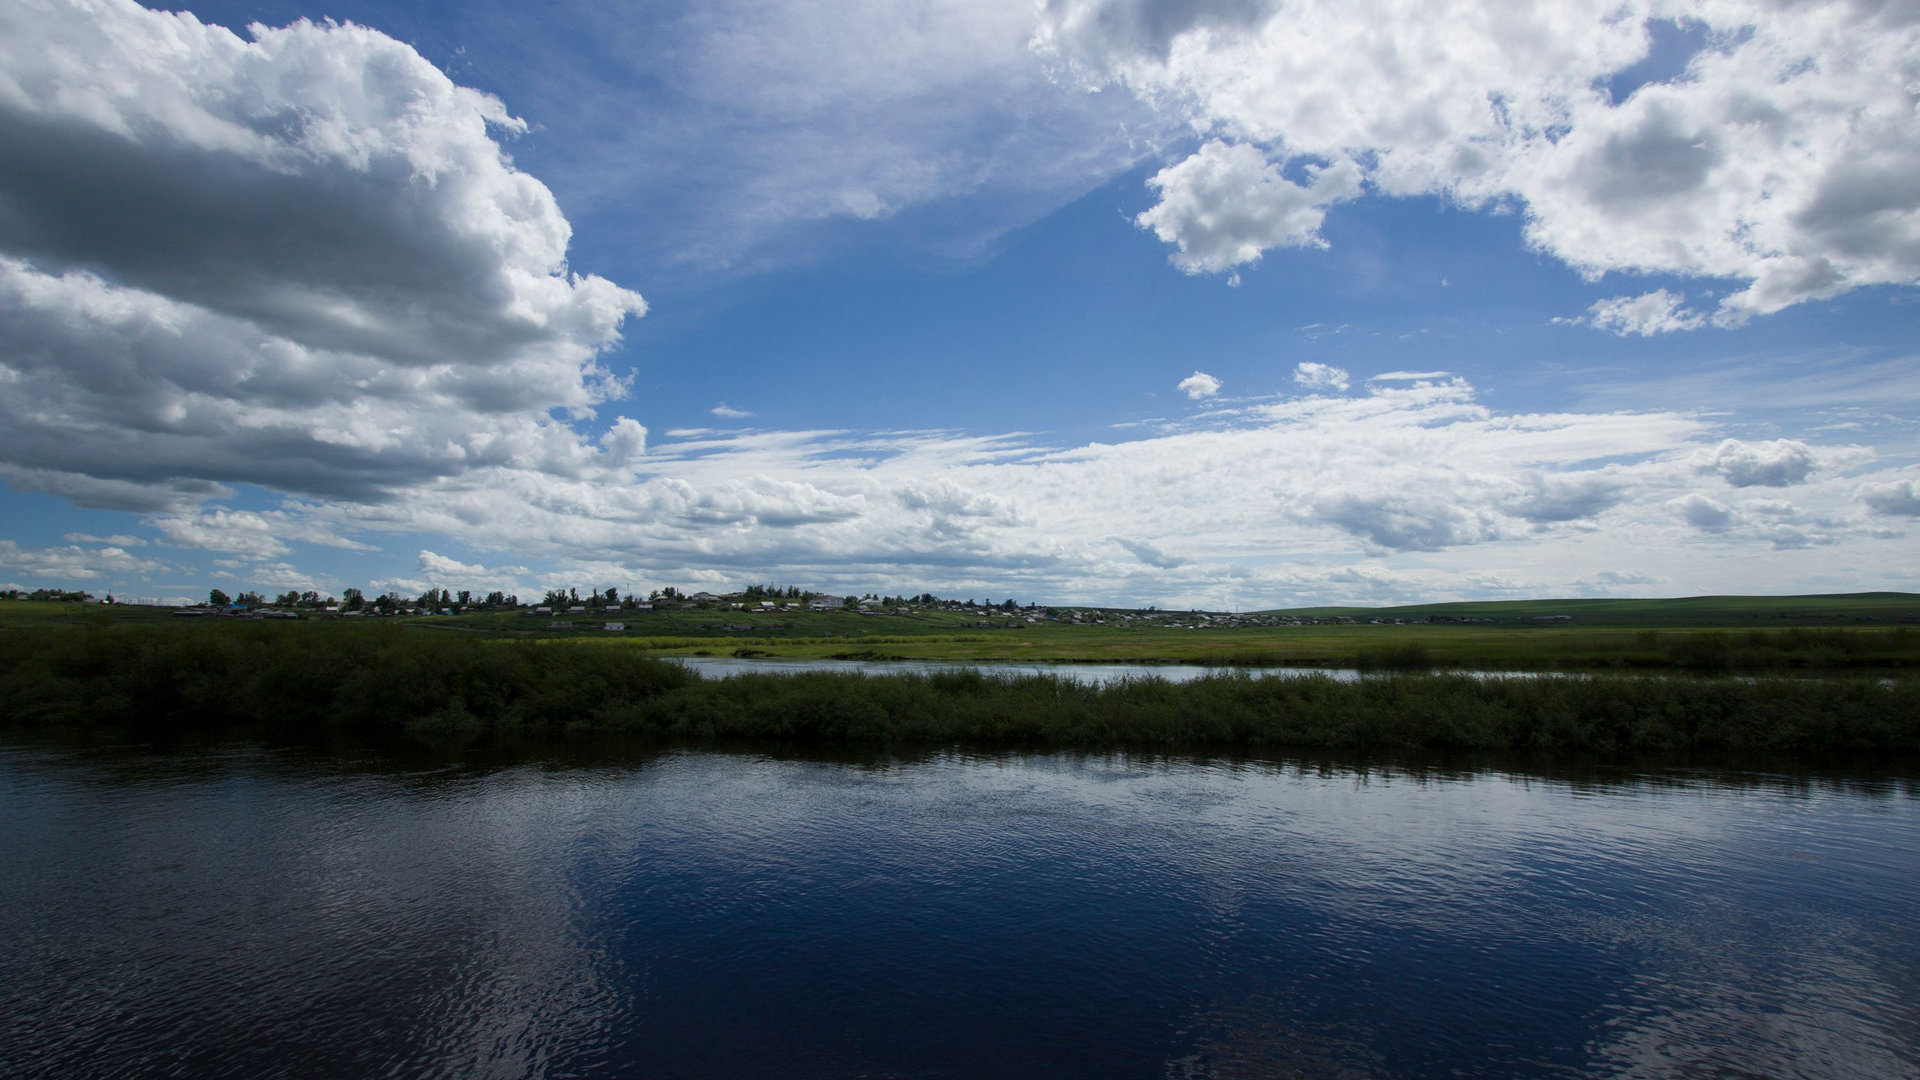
1231 304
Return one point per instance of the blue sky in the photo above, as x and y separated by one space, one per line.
1215 303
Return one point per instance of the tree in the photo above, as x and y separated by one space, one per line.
250 599
290 598
613 596
354 599
218 598
496 598
466 597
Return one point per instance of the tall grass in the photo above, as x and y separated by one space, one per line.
290 680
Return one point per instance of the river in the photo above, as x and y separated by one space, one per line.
235 910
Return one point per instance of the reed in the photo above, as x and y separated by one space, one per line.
290 680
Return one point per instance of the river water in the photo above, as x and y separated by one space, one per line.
241 911
720 667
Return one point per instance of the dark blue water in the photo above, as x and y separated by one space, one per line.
250 912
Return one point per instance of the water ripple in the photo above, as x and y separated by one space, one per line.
247 912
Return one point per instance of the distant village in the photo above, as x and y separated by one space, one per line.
570 610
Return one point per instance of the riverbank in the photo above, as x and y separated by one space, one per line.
283 681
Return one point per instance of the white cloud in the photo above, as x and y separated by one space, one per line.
75 563
1892 498
1409 376
1707 515
1546 499
729 412
1224 205
1778 463
1416 469
1657 312
441 568
329 278
1409 492
1317 376
1199 385
1777 158
1402 520
250 534
625 441
120 540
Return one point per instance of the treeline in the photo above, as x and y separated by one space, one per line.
294 680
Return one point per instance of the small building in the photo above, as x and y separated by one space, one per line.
614 626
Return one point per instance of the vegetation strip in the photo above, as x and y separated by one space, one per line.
289 680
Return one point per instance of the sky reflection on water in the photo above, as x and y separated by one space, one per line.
246 912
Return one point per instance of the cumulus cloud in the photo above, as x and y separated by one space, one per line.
1406 492
329 278
1892 498
74 563
624 441
1199 385
1407 520
1778 156
1777 463
440 567
1225 205
1657 312
1317 376
248 533
1703 513
1546 499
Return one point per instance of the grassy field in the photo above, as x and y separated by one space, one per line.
1862 631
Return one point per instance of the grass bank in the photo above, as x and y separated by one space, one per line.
293 680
